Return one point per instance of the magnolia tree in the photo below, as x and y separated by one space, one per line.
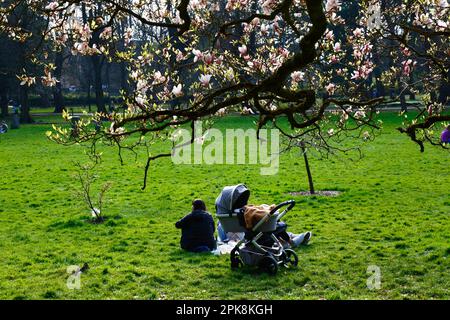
298 60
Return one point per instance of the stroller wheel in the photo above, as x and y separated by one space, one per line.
236 261
291 257
269 264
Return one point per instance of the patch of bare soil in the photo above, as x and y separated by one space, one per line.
328 193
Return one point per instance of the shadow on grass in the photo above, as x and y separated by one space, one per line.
222 263
83 221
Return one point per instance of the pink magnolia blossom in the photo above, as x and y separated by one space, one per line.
363 71
358 32
407 66
80 47
277 28
178 90
247 27
221 112
219 60
140 101
331 88
235 4
357 54
329 35
198 55
107 33
443 4
337 47
283 52
406 51
243 50
142 86
198 4
297 76
85 33
52 6
333 5
367 48
268 6
334 59
256 22
208 58
180 56
255 64
360 114
422 19
205 79
442 25
128 36
158 78
264 29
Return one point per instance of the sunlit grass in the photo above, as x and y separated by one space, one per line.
393 213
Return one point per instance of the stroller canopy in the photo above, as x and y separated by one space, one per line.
232 198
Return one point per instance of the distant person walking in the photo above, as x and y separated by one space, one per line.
445 136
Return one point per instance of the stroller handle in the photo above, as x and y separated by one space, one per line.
290 203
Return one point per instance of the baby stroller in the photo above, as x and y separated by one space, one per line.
230 212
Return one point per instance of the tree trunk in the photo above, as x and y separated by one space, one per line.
57 91
444 90
403 104
124 78
3 100
401 92
252 42
89 94
124 86
308 169
98 83
45 100
380 89
108 85
25 116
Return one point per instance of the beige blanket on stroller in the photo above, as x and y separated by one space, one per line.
253 214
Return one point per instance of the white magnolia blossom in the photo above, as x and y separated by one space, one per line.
178 90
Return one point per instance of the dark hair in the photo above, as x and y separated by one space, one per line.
198 204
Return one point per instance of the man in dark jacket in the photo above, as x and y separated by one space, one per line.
197 229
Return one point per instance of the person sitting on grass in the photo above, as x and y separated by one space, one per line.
197 229
445 136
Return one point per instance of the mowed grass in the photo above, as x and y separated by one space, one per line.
393 213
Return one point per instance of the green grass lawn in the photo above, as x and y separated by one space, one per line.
394 213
